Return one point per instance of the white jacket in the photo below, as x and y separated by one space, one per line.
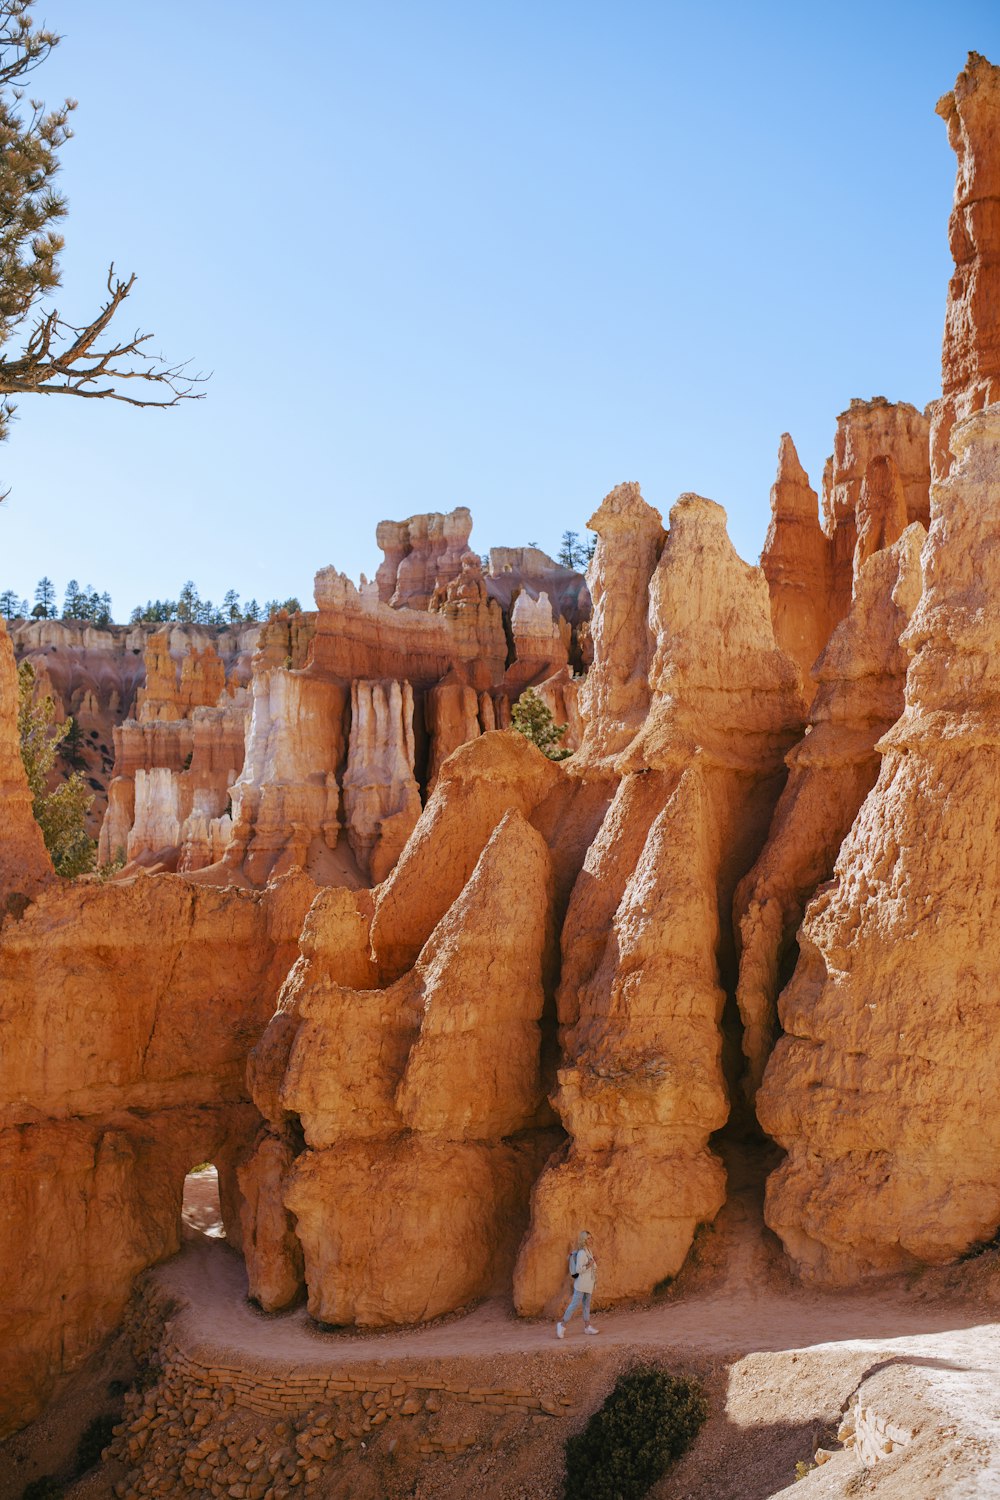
585 1266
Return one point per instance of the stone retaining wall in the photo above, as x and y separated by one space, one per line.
871 1434
223 1430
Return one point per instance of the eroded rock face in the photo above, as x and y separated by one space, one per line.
881 1090
615 698
860 679
93 675
529 569
168 694
176 761
286 801
645 957
796 562
867 430
381 796
422 553
477 786
970 356
881 514
95 1139
416 1087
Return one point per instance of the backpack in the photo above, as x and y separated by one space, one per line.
573 1258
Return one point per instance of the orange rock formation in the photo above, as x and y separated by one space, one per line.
970 356
881 1089
859 678
518 1001
644 954
126 1025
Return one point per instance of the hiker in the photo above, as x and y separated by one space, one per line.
583 1269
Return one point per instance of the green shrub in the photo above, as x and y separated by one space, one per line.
532 717
649 1420
93 1440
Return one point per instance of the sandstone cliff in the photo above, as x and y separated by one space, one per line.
101 1119
646 961
859 696
880 1090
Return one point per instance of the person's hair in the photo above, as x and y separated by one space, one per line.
582 1237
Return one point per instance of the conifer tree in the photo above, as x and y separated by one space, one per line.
61 814
532 718
45 599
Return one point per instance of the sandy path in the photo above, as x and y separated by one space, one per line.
960 1347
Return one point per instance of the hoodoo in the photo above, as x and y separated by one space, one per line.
430 1001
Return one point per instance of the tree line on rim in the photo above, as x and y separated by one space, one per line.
188 608
87 604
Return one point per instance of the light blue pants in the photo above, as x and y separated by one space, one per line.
578 1299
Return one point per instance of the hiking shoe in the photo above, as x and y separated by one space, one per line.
560 1330
591 1329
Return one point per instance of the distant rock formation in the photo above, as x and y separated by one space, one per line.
176 760
314 739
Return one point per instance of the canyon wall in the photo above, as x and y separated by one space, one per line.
126 1026
881 1088
483 998
859 696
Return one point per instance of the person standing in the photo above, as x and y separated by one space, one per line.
583 1269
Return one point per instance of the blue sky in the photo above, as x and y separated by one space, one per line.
499 255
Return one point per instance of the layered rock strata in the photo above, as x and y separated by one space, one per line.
97 677
177 758
286 800
880 1090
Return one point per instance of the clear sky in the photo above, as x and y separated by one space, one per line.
495 253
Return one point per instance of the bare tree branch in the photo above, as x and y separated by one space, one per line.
81 369
57 358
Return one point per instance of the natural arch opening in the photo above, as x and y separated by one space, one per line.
201 1209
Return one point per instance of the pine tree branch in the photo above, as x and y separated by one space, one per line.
82 369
